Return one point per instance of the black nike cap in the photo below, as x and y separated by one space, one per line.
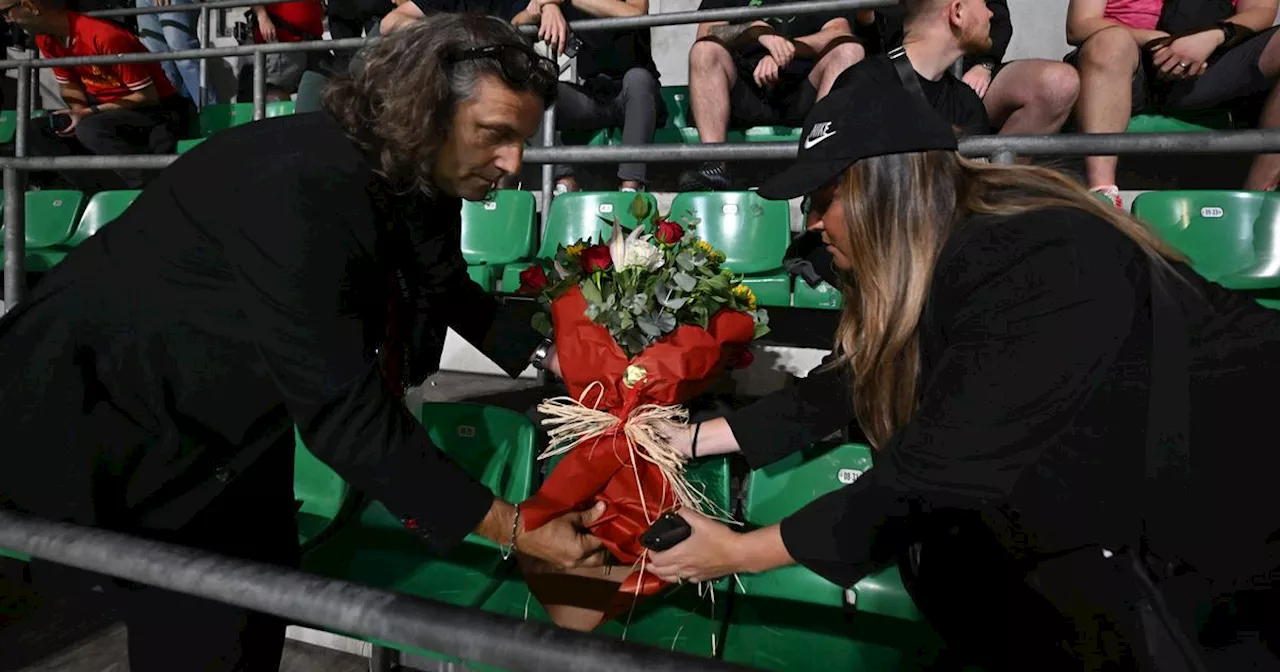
866 117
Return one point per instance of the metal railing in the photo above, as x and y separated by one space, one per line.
340 606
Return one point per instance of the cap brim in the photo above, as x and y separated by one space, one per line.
802 178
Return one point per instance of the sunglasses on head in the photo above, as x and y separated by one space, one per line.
518 65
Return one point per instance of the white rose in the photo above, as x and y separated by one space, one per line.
642 254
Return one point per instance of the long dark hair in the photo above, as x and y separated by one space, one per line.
899 211
398 102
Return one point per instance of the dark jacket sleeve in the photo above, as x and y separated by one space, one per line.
294 257
1001 35
1033 317
501 329
786 421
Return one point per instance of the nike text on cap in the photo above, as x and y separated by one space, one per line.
864 118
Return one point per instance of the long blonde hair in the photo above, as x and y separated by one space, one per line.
899 211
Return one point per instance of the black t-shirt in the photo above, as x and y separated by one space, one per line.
787 26
611 52
953 99
503 9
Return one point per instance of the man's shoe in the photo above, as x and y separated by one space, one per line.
708 177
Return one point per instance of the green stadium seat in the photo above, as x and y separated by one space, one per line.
680 619
494 445
9 123
678 112
791 614
824 296
578 216
310 90
1230 237
51 217
772 134
220 117
1183 122
497 232
278 108
319 492
102 209
185 146
752 232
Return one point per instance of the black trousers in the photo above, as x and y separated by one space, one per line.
153 130
169 631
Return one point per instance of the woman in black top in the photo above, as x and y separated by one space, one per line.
1064 414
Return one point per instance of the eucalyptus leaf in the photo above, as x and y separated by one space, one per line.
685 262
685 281
666 322
590 292
648 325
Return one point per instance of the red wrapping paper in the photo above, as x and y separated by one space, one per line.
679 367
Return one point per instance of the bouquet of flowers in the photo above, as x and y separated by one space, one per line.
642 324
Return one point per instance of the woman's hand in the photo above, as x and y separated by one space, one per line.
710 552
1187 56
553 29
979 79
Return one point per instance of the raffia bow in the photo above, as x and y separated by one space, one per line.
573 423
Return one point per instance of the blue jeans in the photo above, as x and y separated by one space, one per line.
174 31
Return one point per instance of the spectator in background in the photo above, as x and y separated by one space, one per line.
760 73
410 11
354 18
1132 59
300 21
126 108
1023 97
619 80
173 31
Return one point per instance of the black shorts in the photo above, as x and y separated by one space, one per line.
784 104
1232 77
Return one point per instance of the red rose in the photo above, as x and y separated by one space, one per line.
532 280
596 258
669 233
742 358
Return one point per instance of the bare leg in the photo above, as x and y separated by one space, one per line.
1108 60
575 599
1265 172
837 60
711 77
1032 97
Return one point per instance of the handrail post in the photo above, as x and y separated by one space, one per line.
15 200
204 62
548 170
259 84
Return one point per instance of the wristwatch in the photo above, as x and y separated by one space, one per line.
540 355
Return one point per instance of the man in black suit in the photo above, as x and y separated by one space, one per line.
299 271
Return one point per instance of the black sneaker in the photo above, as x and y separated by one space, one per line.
708 177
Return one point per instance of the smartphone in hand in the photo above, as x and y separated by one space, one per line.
669 530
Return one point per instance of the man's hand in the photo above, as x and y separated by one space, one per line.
1188 56
767 72
564 542
553 29
77 114
979 79
780 48
265 25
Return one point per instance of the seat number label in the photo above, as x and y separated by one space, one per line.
848 476
466 431
491 205
730 208
1211 213
606 208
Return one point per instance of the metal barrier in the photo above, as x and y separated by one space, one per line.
340 606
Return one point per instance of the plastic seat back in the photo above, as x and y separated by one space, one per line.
51 217
753 232
1230 237
310 89
319 490
499 230
588 215
278 108
677 100
103 208
214 118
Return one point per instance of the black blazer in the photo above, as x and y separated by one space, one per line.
246 290
1034 390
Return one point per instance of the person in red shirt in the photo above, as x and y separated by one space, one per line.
125 108
284 22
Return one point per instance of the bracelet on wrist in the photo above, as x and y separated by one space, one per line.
693 446
515 527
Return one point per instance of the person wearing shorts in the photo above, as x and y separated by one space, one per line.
1129 63
760 73
286 22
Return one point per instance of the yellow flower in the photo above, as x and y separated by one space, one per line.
705 247
744 294
574 251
